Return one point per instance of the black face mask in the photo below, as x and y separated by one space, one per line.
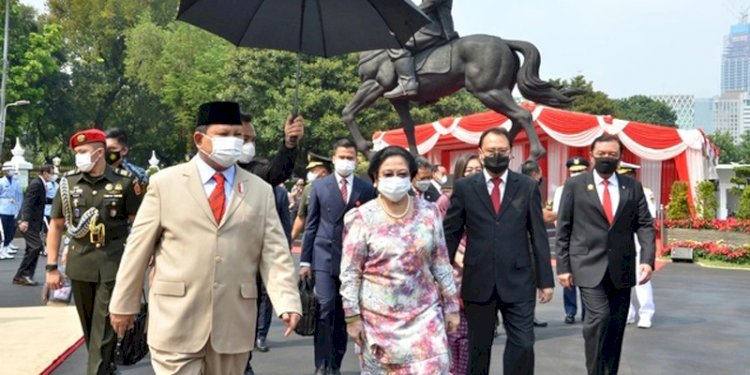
497 163
606 165
113 157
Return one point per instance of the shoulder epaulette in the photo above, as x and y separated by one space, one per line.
71 172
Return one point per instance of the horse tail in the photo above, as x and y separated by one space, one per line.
531 86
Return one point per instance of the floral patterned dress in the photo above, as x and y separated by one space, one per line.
397 276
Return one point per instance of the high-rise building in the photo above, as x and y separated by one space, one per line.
704 115
682 105
735 62
731 113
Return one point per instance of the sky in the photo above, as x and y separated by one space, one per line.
626 47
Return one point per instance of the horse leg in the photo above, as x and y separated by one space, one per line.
366 95
402 108
501 100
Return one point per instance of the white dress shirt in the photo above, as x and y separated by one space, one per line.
491 185
349 181
206 173
614 191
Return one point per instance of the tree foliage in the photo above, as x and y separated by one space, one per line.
678 202
707 204
589 101
641 108
727 149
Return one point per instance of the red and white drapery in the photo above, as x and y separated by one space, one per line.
685 155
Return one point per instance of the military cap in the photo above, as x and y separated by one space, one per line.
219 113
577 164
315 160
87 136
625 168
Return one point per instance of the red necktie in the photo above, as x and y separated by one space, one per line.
607 202
496 194
217 199
344 191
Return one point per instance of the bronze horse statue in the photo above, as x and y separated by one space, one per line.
486 66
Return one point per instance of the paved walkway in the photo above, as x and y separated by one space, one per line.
701 327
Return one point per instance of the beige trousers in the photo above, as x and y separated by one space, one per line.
205 362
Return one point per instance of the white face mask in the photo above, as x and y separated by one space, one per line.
443 180
394 188
10 173
84 162
53 177
311 177
344 167
226 150
248 152
422 185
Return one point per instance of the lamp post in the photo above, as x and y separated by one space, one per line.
4 74
2 120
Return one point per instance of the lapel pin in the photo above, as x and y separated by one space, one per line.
590 187
242 188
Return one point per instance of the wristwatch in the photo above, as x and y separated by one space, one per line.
50 267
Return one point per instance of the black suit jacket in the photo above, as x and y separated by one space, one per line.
430 195
497 246
324 223
275 171
588 246
32 209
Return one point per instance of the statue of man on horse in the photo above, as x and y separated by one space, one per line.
436 63
438 32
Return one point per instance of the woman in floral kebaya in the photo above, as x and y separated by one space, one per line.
397 285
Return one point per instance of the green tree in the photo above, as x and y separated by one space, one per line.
589 101
95 33
678 202
743 212
707 200
641 108
727 147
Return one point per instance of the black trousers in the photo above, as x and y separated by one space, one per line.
330 335
9 228
33 248
518 320
604 325
92 302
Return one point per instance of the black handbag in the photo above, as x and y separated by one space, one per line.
132 347
307 325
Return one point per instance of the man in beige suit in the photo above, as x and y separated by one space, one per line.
211 227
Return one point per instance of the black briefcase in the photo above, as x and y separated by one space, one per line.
132 347
307 325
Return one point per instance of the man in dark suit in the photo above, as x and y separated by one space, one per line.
422 181
599 213
30 224
331 197
501 213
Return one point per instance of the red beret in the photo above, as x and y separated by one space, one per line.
87 136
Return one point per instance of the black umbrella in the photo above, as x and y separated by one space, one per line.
316 27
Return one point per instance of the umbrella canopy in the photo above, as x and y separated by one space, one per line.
316 27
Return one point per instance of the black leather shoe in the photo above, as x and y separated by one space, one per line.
321 371
249 370
335 371
539 323
25 281
260 344
570 319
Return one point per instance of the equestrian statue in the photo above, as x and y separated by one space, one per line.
436 63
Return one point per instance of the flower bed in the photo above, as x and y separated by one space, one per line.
717 250
728 225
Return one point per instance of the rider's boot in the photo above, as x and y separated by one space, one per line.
407 78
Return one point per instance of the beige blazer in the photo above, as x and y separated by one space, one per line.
205 281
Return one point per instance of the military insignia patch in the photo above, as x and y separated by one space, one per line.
81 138
108 187
118 186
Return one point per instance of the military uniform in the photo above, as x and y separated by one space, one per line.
94 257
